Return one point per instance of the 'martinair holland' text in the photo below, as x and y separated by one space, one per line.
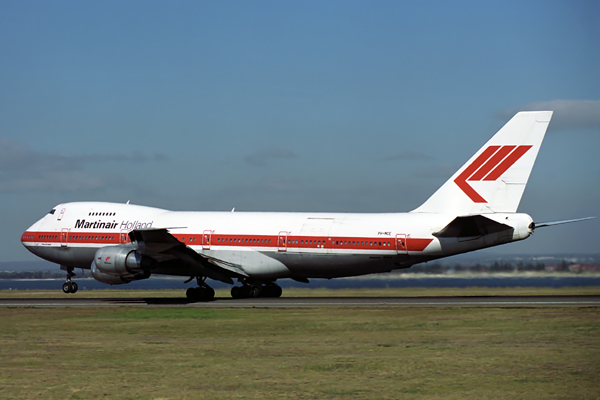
129 225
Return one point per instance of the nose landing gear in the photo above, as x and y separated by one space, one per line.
68 286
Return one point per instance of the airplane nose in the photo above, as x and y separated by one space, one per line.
29 235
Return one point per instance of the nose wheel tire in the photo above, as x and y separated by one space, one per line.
70 287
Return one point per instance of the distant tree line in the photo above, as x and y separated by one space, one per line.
496 266
37 275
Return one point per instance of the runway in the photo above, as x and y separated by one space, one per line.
310 302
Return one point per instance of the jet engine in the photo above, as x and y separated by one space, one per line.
116 265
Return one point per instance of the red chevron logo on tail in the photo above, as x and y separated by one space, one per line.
489 166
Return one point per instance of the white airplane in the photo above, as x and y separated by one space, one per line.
476 208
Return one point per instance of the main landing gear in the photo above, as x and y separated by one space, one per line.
249 290
68 286
268 290
201 293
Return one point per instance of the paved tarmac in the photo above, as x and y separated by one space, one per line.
310 302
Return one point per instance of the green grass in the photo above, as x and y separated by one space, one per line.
316 353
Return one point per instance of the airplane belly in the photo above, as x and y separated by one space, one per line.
254 263
77 257
339 265
260 265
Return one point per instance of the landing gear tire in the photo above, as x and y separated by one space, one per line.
241 292
209 293
190 293
272 290
236 292
245 292
256 291
68 286
201 293
205 293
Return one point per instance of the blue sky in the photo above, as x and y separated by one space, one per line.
348 106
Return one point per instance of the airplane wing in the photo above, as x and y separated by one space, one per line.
162 246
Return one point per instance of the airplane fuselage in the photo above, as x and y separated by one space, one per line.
268 245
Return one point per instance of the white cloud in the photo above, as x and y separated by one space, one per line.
568 114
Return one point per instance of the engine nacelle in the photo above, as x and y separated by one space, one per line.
116 265
108 278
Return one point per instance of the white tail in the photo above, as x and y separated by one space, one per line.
494 179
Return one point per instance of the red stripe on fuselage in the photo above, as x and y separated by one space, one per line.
223 240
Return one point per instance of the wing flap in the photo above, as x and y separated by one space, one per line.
235 268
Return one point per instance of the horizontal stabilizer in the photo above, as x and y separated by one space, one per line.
471 226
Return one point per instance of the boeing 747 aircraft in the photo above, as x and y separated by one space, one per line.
476 208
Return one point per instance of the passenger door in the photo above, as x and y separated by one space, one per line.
401 247
282 243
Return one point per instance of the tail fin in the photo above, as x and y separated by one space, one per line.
494 179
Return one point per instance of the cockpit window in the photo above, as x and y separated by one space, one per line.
53 211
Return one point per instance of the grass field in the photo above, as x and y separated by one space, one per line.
341 353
